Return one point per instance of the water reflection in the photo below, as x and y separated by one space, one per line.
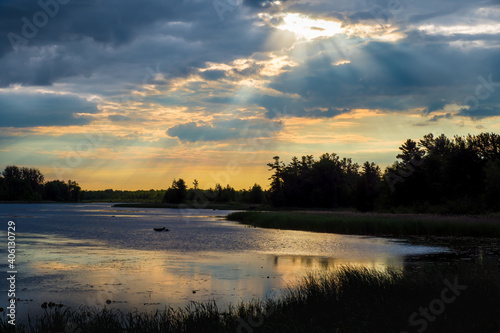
87 273
292 265
78 255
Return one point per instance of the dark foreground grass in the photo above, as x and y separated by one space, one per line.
373 224
458 298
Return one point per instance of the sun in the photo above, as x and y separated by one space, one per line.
307 28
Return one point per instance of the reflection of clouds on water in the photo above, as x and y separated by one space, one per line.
82 255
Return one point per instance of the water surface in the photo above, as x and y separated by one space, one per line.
87 254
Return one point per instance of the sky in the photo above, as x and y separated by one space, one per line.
130 94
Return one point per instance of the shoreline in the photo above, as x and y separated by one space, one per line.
373 224
214 206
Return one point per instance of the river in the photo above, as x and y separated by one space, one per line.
97 255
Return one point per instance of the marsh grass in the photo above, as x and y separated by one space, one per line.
373 224
346 300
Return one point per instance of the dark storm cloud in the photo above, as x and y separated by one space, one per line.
481 112
437 105
110 21
119 39
23 110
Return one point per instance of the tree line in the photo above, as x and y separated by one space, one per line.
435 174
179 192
28 184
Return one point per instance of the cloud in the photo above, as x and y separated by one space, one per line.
385 75
224 130
442 116
117 117
480 112
104 42
213 75
27 110
87 45
259 3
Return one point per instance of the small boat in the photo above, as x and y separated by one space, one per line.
161 229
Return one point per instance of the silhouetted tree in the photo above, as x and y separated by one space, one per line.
177 192
276 192
74 191
457 175
22 183
368 187
257 195
328 182
56 190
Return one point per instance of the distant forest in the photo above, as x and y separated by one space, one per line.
456 175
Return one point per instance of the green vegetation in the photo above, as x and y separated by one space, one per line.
450 298
372 223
